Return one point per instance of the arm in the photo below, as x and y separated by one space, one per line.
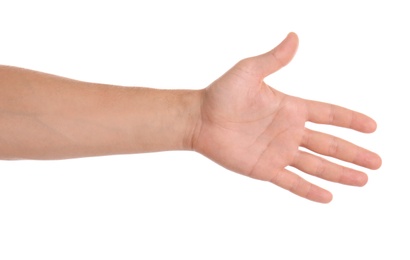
238 121
44 116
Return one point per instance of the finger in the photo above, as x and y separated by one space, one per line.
319 167
338 148
324 113
279 57
299 186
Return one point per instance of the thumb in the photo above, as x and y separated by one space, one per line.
279 57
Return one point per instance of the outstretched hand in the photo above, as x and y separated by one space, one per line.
255 130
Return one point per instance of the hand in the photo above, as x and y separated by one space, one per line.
255 130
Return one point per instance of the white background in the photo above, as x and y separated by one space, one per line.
180 205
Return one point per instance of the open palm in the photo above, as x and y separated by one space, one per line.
255 130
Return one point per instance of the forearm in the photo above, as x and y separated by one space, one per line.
49 117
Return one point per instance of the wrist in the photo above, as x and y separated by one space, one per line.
164 120
192 113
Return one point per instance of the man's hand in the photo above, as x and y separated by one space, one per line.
244 125
255 130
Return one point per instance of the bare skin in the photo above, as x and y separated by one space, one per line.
256 130
238 121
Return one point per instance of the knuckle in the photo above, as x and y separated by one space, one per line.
274 178
246 63
320 168
295 185
333 147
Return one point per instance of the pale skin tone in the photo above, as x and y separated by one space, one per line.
238 121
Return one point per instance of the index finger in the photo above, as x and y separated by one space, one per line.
324 113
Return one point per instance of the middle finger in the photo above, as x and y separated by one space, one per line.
338 148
